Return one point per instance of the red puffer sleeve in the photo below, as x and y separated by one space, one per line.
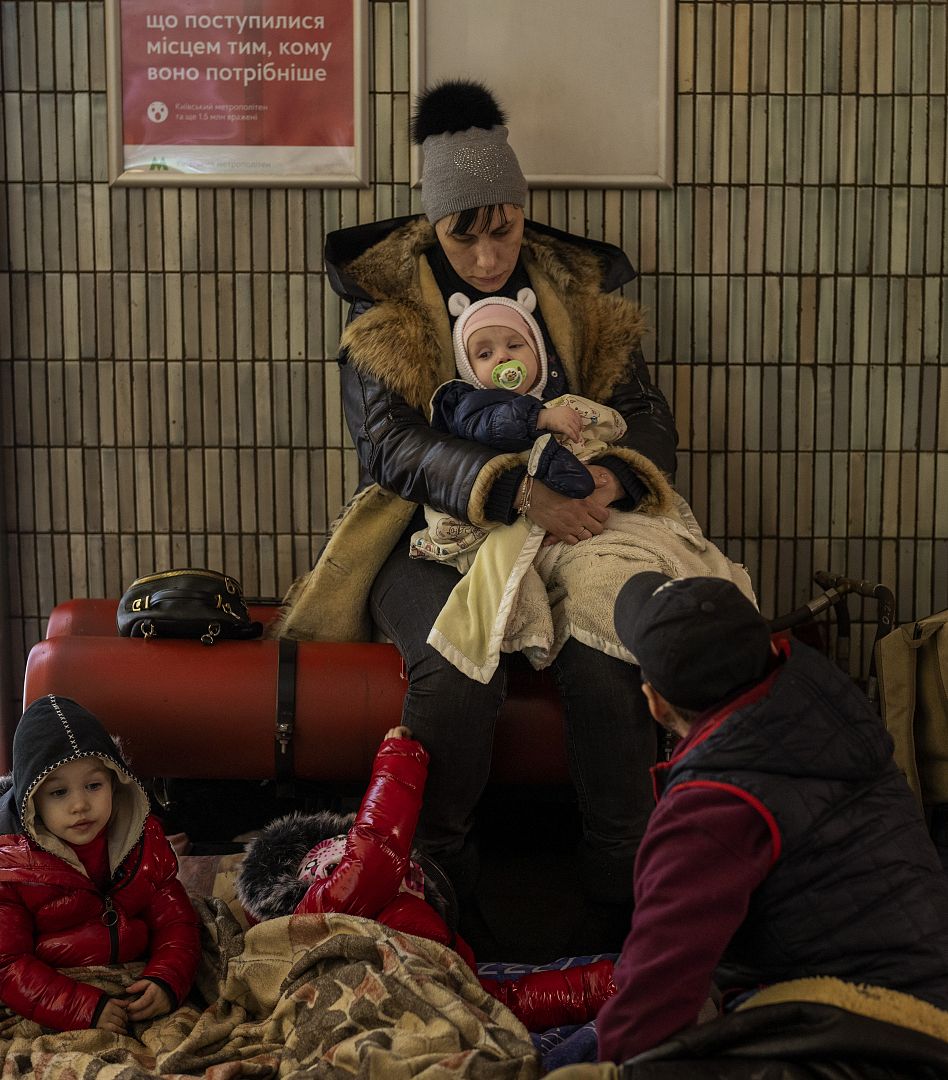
30 987
412 915
174 946
379 841
544 999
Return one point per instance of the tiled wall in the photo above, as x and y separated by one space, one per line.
168 390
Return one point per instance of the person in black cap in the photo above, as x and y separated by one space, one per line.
785 841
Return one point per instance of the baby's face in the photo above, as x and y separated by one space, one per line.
490 346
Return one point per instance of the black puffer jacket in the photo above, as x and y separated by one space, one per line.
506 420
802 1039
386 396
396 351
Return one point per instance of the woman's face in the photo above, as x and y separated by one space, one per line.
484 259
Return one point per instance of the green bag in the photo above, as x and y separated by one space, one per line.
912 665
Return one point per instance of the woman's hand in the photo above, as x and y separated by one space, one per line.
588 515
569 520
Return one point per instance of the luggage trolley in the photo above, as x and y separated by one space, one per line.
834 598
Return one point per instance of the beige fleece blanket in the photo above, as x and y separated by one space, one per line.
521 597
320 995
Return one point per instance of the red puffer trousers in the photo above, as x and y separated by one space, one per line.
52 916
368 878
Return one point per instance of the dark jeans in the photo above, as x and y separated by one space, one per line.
610 736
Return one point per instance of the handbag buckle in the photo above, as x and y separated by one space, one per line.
213 629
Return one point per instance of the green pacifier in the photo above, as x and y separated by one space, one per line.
508 375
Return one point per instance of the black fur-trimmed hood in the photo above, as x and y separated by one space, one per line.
267 883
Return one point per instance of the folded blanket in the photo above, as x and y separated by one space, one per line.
521 597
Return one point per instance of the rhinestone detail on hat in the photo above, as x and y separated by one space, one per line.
486 162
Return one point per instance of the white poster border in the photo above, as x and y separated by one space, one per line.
333 166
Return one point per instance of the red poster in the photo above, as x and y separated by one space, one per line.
249 87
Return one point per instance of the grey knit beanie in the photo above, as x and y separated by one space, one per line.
468 162
467 169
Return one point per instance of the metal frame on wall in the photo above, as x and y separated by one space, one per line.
591 85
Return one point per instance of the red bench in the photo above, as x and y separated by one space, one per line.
184 709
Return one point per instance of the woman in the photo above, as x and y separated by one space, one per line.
396 350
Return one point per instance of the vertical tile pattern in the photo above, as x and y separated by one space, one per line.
168 388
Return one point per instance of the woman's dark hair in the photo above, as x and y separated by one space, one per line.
477 219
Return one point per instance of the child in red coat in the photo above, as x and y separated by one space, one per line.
364 865
86 877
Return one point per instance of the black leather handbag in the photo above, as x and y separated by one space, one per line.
192 603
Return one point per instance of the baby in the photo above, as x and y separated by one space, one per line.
501 362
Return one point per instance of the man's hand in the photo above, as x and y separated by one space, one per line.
113 1017
563 419
151 1000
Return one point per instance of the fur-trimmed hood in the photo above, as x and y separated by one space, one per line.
344 246
408 316
268 885
399 341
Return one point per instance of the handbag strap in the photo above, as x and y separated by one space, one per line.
285 716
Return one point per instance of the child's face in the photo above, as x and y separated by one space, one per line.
75 800
489 346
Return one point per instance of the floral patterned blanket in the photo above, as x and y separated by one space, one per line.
332 996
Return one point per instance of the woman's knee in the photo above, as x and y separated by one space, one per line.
433 677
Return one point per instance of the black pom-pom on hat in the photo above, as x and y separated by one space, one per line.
455 105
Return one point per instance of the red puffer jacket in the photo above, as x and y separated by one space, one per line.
368 879
53 916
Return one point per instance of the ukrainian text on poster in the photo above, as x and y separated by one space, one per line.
251 87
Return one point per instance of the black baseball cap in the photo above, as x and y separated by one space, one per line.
698 640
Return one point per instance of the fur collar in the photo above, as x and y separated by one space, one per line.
592 332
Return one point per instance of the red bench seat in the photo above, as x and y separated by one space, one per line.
188 710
